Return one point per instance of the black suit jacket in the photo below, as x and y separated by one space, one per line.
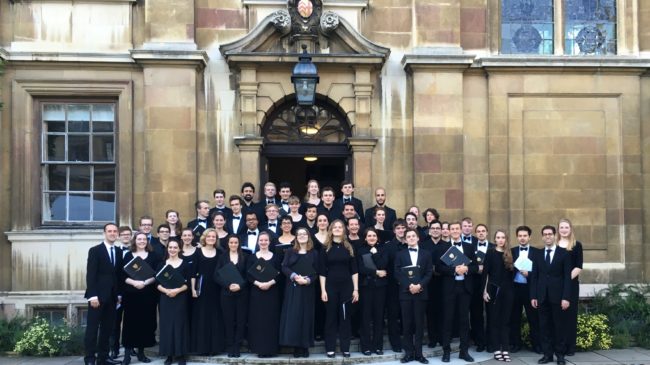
532 253
402 259
358 206
551 282
242 225
197 229
391 216
448 273
101 275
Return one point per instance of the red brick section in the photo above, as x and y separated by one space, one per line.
220 18
454 199
427 162
472 20
427 14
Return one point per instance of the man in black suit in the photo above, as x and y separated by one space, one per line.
467 230
247 195
522 294
380 199
457 288
434 304
269 198
326 205
478 331
103 292
392 248
219 205
145 225
271 224
413 295
250 237
285 194
550 292
200 224
236 224
347 188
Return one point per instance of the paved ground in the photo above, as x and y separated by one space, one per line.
634 356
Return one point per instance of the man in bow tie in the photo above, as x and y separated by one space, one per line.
199 224
271 212
285 194
268 199
219 205
236 223
467 228
478 332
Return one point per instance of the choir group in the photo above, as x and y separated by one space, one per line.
284 272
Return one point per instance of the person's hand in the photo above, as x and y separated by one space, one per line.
194 293
234 288
139 284
486 297
524 273
461 269
480 269
533 302
355 296
415 288
94 303
381 273
172 293
323 296
565 305
264 286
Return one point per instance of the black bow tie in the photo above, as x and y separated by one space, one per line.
272 224
523 248
413 249
236 217
252 233
270 202
284 202
203 220
482 244
458 244
347 200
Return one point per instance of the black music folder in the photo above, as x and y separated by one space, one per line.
263 271
138 269
453 257
303 267
230 274
170 278
410 275
480 257
368 262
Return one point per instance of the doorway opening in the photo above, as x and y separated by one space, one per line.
328 171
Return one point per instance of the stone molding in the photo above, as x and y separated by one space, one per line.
362 144
361 4
170 57
442 61
249 144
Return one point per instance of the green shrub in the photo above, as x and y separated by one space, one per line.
621 340
43 339
593 332
10 331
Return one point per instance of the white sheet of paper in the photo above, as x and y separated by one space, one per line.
524 264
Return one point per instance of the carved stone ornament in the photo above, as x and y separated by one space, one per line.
590 39
305 8
305 17
281 21
527 39
329 21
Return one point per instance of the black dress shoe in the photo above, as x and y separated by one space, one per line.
379 352
142 357
465 356
480 348
112 362
406 359
397 349
445 356
561 361
421 360
346 354
127 359
168 360
331 355
570 353
545 360
367 352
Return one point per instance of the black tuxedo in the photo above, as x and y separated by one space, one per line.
358 206
243 239
391 217
457 295
413 305
472 238
102 282
391 249
550 284
265 227
260 208
434 304
240 229
198 229
522 299
479 332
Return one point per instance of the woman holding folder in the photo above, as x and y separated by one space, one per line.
567 240
498 292
174 323
297 318
230 274
372 262
207 323
140 299
264 304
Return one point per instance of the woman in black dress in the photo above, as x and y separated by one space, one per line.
264 307
234 297
139 303
384 233
373 293
219 224
319 238
498 292
297 318
174 322
567 240
339 287
207 323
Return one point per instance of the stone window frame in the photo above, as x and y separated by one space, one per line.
26 150
627 42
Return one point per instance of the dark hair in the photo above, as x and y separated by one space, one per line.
481 225
239 251
309 206
371 229
347 221
251 213
524 228
286 218
236 197
327 188
284 184
350 204
433 211
145 217
548 227
410 213
133 247
164 225
197 204
124 229
216 213
467 219
435 221
219 191
347 182
399 222
412 230
247 184
110 224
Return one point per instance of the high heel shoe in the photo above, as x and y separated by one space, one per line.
331 355
142 357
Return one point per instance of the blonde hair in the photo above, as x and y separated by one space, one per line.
330 238
317 184
571 238
205 234
507 253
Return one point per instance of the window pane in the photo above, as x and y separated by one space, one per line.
54 207
55 178
78 148
103 148
527 26
590 27
104 207
79 178
79 207
55 148
103 117
104 178
78 118
53 118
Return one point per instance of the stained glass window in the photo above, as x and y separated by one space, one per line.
590 27
527 26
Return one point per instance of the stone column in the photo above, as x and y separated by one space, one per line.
249 156
362 148
363 100
248 99
167 26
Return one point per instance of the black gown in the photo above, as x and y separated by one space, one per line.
207 322
139 323
174 322
571 314
297 317
500 308
263 314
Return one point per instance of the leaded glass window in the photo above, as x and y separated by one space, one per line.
527 26
590 27
78 162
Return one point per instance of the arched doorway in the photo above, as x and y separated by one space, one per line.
306 143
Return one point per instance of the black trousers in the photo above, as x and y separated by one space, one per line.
456 306
435 311
372 318
235 314
393 315
99 327
476 314
117 330
571 317
522 300
413 326
551 328
338 315
499 313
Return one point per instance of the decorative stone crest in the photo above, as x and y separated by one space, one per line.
590 39
281 21
527 39
305 8
305 18
329 21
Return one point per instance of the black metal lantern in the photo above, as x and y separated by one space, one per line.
304 79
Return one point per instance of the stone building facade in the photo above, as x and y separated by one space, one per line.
511 112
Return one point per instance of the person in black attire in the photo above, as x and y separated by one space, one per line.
125 236
247 195
264 304
413 295
236 223
326 205
479 332
392 290
522 294
284 189
269 198
550 291
429 215
380 199
234 298
159 245
339 287
311 213
220 204
434 302
498 275
384 231
139 302
457 286
174 322
347 188
200 224
297 318
103 292
373 293
566 239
